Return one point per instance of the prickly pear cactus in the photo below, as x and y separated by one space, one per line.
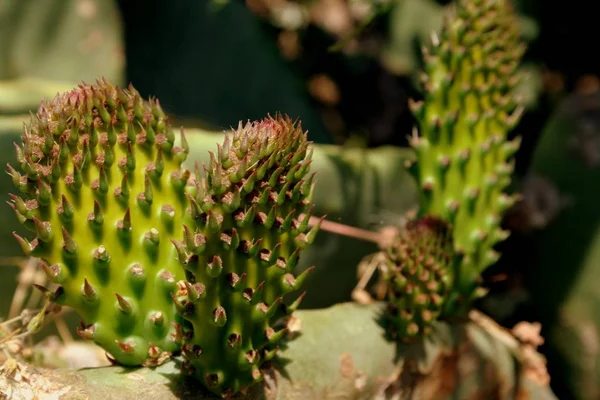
102 189
418 272
463 158
240 246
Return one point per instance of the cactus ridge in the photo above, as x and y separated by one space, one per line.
463 157
240 245
101 188
419 270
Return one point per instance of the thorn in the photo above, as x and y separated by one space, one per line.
219 316
182 253
122 192
287 222
275 253
274 179
312 234
268 355
274 337
195 211
214 221
255 248
270 220
235 239
69 244
302 277
124 225
43 230
86 332
124 305
294 306
234 280
126 347
130 160
55 273
264 196
24 243
42 289
159 164
184 143
249 183
292 260
146 197
214 268
191 352
236 200
196 291
44 196
101 185
249 216
88 291
273 308
96 216
179 179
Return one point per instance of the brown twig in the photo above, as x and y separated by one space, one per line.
345 230
27 276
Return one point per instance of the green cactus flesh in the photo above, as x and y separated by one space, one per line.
418 270
463 157
102 190
240 249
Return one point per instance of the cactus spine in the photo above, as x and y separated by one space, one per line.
240 248
463 158
102 186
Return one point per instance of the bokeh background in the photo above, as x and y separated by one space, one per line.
347 69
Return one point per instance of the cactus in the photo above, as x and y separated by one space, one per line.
101 189
463 157
418 272
240 246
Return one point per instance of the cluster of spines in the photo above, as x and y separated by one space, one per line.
463 156
240 248
100 174
419 270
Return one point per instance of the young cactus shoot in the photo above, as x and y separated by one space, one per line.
463 157
419 273
240 246
102 190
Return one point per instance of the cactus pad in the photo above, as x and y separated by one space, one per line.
240 248
463 155
102 189
418 270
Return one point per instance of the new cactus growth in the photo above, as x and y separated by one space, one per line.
240 245
102 188
463 157
418 269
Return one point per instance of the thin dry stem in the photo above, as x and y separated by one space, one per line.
63 329
27 277
346 230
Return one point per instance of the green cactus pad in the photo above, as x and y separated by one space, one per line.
102 190
419 270
463 160
240 247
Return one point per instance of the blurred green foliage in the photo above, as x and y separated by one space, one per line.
60 40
